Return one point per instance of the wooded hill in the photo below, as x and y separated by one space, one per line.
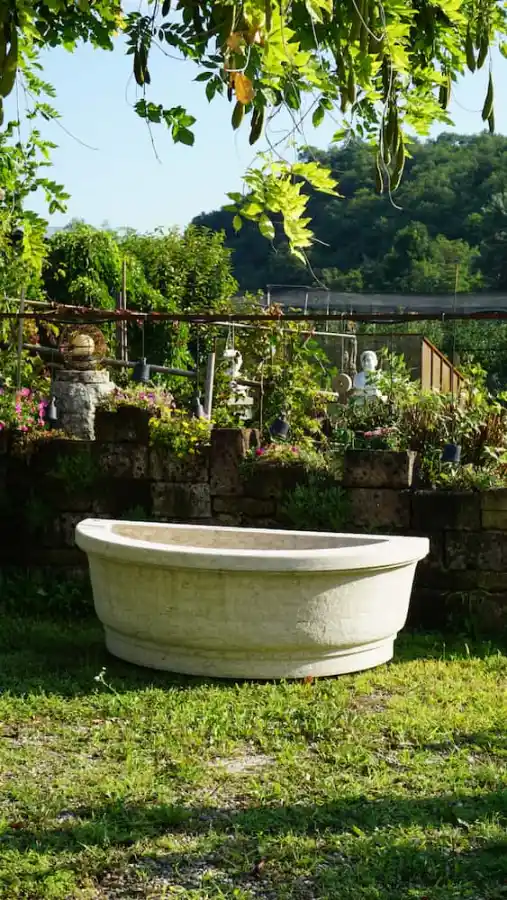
451 210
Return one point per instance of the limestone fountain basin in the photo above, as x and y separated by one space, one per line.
248 603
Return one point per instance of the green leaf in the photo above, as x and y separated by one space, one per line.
211 89
184 136
318 116
204 76
237 223
266 227
252 210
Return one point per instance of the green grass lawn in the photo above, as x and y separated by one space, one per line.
131 784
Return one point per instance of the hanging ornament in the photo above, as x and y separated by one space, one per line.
52 413
451 454
279 428
141 373
198 408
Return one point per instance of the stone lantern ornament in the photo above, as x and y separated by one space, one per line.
80 384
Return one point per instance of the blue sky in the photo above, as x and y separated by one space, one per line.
122 182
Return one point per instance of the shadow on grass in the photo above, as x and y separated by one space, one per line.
356 844
63 657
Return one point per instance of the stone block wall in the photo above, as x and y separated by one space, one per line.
464 577
49 487
45 492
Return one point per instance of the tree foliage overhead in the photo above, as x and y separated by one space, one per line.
451 212
381 66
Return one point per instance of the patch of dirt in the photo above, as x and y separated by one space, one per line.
375 702
167 877
243 764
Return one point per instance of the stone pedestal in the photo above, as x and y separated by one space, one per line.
76 394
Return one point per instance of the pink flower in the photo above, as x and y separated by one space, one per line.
260 451
18 407
23 428
295 449
25 392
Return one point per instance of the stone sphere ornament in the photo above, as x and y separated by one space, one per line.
82 346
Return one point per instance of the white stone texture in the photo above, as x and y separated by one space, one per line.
248 603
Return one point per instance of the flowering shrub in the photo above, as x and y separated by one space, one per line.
287 455
155 400
177 431
22 410
386 438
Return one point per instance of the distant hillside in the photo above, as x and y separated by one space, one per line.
452 215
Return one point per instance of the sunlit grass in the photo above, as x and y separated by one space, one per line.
385 785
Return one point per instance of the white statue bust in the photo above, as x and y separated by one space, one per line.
364 381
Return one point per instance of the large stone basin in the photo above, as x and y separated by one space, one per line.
248 603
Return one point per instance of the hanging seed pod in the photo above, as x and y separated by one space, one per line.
391 127
483 50
444 94
226 24
340 69
386 77
487 109
491 122
257 125
364 35
469 50
398 165
237 115
356 22
351 86
269 14
379 175
9 68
